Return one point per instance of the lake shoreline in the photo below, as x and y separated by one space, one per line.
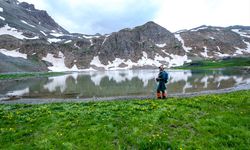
20 100
120 85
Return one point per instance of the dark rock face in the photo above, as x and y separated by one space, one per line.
129 43
25 5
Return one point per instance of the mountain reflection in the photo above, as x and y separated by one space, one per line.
122 83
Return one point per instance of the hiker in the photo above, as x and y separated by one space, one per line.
162 79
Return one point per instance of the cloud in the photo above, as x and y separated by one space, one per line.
110 15
98 16
178 14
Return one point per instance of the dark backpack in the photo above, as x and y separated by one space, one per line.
165 76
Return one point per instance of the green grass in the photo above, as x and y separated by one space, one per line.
204 122
208 64
28 75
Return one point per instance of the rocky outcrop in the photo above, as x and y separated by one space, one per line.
214 42
129 43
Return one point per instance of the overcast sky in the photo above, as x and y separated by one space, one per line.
106 16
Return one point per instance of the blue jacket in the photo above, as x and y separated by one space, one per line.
160 79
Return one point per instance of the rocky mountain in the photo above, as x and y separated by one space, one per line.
30 40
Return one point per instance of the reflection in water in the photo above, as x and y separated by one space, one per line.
122 76
59 82
122 83
19 92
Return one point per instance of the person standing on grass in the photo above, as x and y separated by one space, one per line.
162 79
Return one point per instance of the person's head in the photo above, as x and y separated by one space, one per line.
161 68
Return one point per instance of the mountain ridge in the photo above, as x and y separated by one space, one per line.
34 33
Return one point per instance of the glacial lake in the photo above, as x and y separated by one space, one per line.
102 84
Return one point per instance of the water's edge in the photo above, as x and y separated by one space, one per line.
120 98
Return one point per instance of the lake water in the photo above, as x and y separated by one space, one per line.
122 83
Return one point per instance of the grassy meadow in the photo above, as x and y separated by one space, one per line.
210 64
8 76
203 122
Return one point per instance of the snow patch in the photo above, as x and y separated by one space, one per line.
1 9
96 62
171 60
90 36
248 46
180 31
218 48
211 37
91 42
69 41
161 45
240 51
104 40
2 18
43 33
51 40
13 53
27 23
75 45
178 60
221 55
164 51
204 54
187 49
241 33
58 63
147 61
197 29
14 32
111 66
57 34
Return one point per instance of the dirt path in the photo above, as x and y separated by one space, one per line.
56 100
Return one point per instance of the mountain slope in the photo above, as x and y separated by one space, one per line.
26 18
216 42
47 46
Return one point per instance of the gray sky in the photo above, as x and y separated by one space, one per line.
106 16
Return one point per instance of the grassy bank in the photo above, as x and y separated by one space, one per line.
28 75
204 122
208 64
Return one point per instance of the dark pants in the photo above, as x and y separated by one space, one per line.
161 94
161 90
